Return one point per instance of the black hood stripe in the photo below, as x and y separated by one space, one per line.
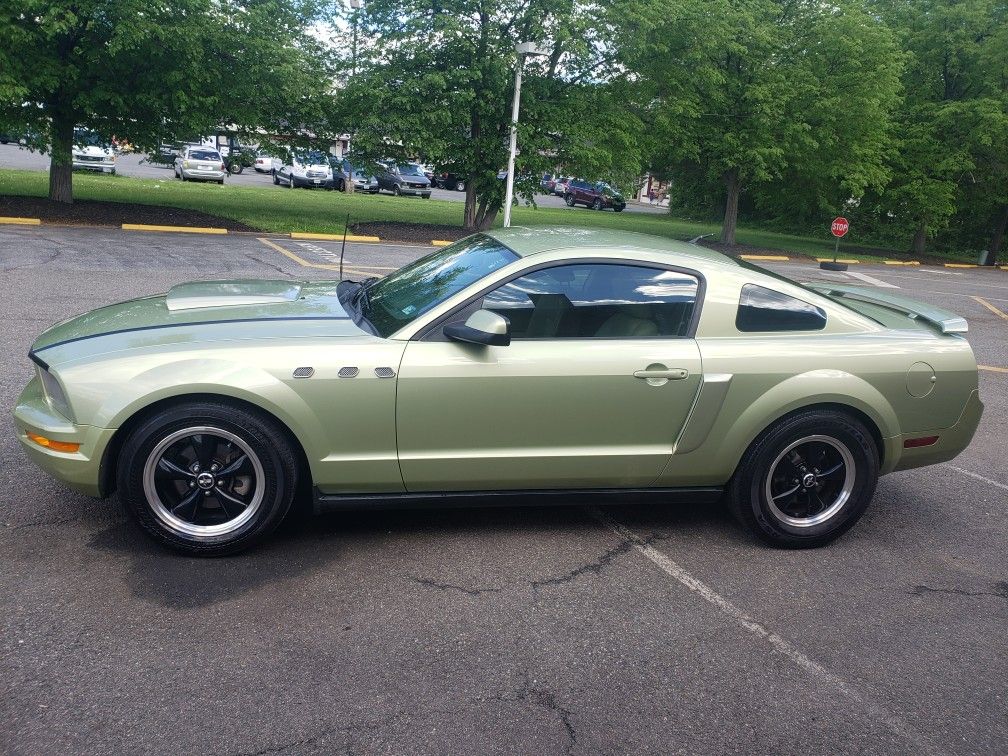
186 325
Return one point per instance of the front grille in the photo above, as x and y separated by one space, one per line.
89 159
418 186
315 174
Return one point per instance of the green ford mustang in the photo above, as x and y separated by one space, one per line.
523 365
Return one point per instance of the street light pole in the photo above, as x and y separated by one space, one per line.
356 5
524 50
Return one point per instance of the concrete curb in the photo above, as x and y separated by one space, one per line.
174 229
332 237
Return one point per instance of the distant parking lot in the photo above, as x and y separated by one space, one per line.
567 630
14 156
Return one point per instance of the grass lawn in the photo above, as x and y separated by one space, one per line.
271 209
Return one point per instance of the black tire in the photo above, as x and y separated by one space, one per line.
597 204
276 181
221 182
460 186
395 190
426 196
569 199
764 467
290 181
619 208
276 476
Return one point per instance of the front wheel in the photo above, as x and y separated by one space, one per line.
806 479
208 478
396 191
460 186
569 199
597 204
290 181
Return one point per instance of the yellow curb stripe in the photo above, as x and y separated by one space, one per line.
901 262
960 265
179 229
993 369
991 307
440 243
12 220
777 258
332 237
307 264
839 260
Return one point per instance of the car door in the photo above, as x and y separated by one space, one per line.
592 391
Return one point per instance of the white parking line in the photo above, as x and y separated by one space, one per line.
741 618
871 280
988 481
939 272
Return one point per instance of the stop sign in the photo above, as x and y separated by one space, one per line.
839 227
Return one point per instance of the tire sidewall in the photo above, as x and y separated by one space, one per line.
749 484
279 473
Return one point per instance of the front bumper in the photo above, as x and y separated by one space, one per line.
414 191
191 174
81 470
951 441
317 182
93 165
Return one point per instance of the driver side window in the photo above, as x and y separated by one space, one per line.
597 301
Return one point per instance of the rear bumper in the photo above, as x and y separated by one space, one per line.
191 175
951 441
81 470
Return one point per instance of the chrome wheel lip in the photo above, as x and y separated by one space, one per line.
188 529
842 497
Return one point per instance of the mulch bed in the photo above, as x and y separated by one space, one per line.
91 213
409 232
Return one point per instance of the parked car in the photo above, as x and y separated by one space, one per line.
404 178
200 164
560 185
597 196
518 365
305 168
263 163
92 153
447 178
365 181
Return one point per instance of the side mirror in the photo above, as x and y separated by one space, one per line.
483 327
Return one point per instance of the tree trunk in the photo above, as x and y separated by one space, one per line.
469 215
920 240
61 160
486 216
734 188
999 232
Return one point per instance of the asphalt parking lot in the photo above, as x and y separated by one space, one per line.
14 156
569 630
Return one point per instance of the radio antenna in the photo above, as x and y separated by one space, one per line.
343 248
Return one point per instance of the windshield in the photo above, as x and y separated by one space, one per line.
405 295
86 138
411 169
204 155
311 157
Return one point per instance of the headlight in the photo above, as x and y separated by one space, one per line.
185 163
54 393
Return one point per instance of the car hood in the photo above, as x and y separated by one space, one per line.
202 311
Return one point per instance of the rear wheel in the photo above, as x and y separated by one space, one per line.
806 480
208 478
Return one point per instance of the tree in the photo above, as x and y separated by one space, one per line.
142 72
951 130
436 82
755 90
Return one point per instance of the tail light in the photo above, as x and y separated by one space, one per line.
222 166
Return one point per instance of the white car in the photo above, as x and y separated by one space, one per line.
264 164
91 153
307 168
197 163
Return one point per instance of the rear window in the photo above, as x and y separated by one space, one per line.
761 309
204 155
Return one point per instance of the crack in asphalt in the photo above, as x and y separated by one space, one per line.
452 587
1000 591
277 268
596 566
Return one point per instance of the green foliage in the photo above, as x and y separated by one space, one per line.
142 72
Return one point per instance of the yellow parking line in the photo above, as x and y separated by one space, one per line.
901 262
332 237
181 229
993 369
776 258
12 220
324 266
961 265
991 307
839 260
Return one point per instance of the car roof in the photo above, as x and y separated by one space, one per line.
527 241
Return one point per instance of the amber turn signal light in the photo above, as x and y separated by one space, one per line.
912 443
48 443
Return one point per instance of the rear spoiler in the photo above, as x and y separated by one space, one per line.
947 322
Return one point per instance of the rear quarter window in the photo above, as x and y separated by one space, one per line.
762 310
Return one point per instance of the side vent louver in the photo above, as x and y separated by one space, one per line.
384 372
304 372
348 372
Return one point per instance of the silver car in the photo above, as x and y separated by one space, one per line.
196 163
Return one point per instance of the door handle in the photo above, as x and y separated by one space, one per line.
673 374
